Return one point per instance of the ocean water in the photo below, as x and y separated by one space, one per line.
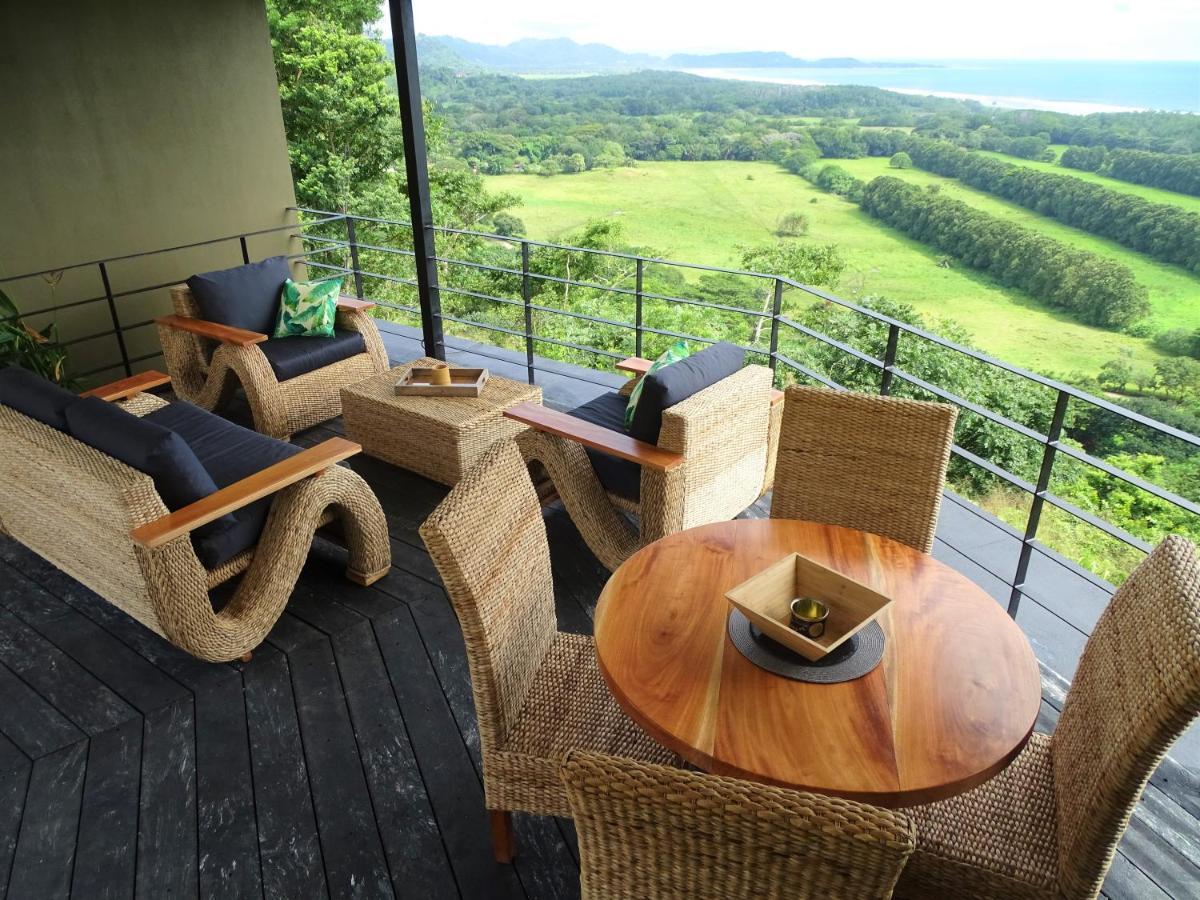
1063 86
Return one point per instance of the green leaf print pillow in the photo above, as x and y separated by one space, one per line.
673 354
308 308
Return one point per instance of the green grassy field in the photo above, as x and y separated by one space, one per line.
1156 195
703 211
1174 293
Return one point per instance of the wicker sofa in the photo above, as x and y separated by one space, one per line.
713 457
290 383
107 525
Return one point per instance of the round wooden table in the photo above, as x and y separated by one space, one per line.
952 703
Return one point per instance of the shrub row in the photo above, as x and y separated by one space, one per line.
1165 170
1095 290
1160 230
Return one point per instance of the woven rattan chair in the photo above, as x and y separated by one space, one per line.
1049 824
715 457
538 691
650 832
208 361
105 525
873 463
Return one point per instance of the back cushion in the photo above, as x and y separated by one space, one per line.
34 396
162 454
677 382
242 297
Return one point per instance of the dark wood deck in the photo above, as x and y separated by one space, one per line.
342 761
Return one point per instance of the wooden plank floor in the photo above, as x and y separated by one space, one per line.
342 761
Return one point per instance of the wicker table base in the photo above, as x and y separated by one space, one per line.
438 437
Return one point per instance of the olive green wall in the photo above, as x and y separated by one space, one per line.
133 125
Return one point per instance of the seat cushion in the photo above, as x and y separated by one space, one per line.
677 382
293 356
34 396
619 476
228 453
244 296
997 840
146 445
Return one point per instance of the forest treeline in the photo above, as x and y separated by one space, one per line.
1161 230
1172 172
1095 290
503 123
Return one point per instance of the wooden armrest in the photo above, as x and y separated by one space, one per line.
639 366
634 364
345 302
127 387
243 493
605 440
223 333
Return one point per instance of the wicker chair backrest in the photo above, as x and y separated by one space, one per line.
488 541
723 433
1135 691
76 507
873 463
654 831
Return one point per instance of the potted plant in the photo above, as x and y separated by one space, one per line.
38 351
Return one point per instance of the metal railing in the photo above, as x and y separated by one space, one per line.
316 234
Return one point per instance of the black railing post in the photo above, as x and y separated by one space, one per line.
1039 500
777 309
412 125
352 240
527 298
245 250
637 322
116 320
889 359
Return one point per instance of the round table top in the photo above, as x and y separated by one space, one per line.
952 703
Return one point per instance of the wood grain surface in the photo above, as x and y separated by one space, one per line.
597 437
951 704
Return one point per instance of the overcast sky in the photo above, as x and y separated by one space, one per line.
869 29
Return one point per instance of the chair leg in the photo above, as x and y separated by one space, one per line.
504 843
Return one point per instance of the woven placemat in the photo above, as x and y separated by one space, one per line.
853 659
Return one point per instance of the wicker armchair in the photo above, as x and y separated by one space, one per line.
105 525
538 692
715 456
648 832
873 463
207 362
1049 824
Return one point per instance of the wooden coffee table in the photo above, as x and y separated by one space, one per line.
438 437
952 703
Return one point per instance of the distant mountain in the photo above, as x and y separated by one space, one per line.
565 55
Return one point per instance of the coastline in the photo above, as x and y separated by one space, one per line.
1073 107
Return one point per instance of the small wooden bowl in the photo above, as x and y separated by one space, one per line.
766 601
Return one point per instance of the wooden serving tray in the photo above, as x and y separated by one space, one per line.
766 601
463 383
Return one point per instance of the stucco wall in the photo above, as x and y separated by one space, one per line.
131 125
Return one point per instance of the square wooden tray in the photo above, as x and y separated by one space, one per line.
463 383
766 601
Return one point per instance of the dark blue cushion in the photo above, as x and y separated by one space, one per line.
34 396
678 381
618 476
147 446
228 453
242 297
292 356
